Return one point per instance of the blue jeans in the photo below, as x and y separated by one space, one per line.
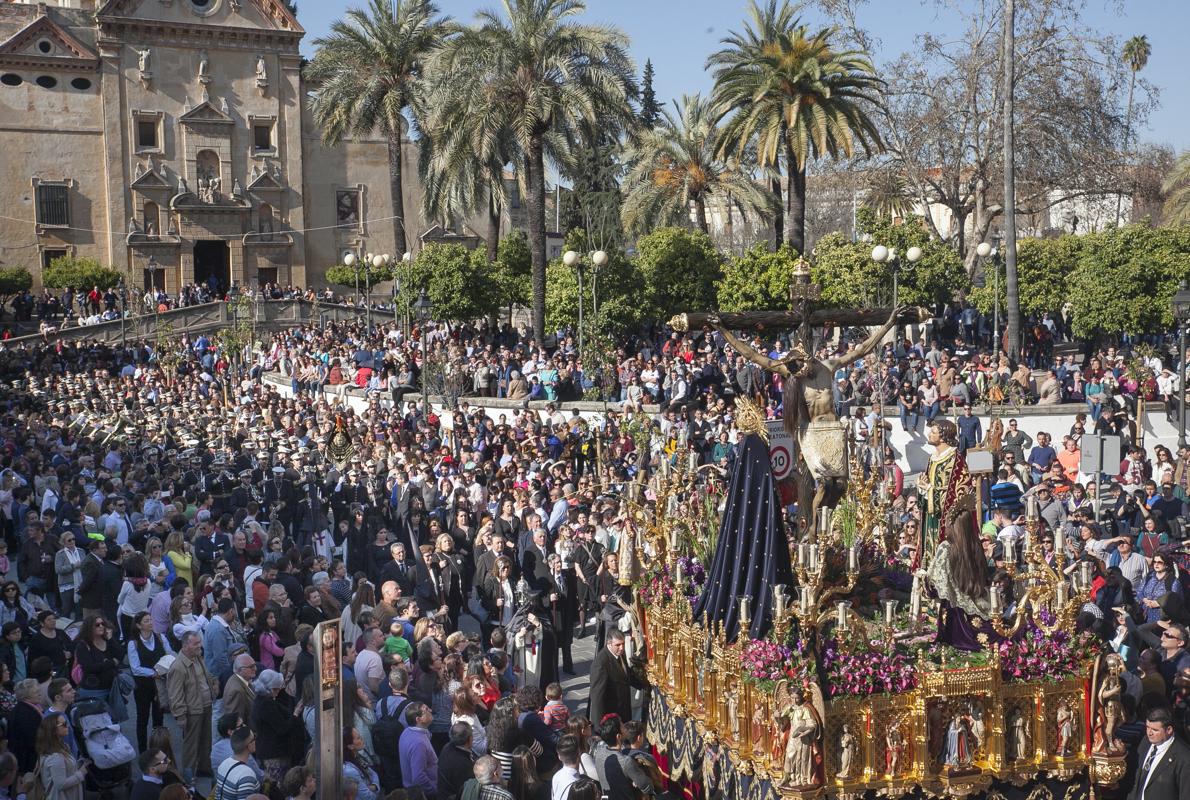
909 419
930 411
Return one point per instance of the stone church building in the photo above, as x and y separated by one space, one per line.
173 140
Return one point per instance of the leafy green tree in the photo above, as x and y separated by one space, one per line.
1043 271
611 296
680 269
650 109
1125 279
512 271
14 280
548 79
793 96
677 166
457 281
369 71
757 280
79 273
350 277
849 277
594 200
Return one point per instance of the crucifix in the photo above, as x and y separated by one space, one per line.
820 437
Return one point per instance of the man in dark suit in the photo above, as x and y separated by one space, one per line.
100 583
1164 772
455 762
535 563
612 681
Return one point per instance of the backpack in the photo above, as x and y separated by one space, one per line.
386 737
470 790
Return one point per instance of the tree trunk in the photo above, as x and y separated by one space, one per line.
1010 276
395 166
493 243
535 181
700 211
1127 143
795 202
778 218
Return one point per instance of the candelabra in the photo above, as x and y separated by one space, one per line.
1046 586
814 596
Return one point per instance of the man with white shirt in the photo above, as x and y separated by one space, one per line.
568 754
369 668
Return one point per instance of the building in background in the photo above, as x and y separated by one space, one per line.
173 140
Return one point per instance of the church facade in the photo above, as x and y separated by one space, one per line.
173 140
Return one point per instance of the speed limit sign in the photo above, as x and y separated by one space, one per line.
780 449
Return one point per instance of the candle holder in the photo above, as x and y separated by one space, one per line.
1046 589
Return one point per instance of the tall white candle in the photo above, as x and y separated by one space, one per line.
841 621
853 558
915 600
890 612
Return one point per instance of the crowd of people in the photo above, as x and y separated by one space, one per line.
176 525
177 528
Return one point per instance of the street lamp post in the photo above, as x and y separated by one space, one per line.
1181 315
233 298
122 297
983 250
889 255
378 261
398 317
576 262
421 310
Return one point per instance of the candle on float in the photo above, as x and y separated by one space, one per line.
679 574
1059 542
1062 594
803 554
890 612
824 521
1010 550
1086 572
744 608
841 620
853 558
915 600
995 600
803 596
781 602
1032 507
813 565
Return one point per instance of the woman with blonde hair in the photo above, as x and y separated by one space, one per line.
60 775
161 569
178 551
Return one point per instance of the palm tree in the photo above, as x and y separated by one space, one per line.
543 78
457 184
888 194
1136 53
369 72
675 166
796 96
1176 210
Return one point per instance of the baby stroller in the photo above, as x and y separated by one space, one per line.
100 740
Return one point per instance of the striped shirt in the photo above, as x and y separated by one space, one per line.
235 780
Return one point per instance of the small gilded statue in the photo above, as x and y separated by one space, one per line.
1018 735
894 743
1064 718
1111 709
848 751
803 748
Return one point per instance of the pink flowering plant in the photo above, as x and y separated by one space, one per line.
858 669
765 661
657 586
1038 656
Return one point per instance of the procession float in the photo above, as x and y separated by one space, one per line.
843 654
828 665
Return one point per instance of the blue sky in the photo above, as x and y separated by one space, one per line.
679 34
